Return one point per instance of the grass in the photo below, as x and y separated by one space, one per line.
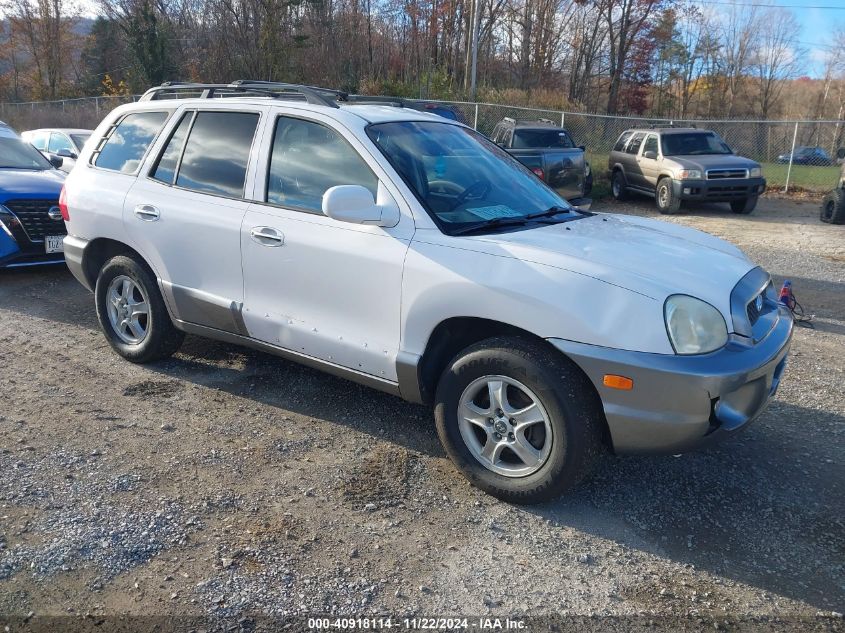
803 178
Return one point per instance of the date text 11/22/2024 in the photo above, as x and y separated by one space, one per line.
419 623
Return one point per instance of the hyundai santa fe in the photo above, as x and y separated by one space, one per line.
407 252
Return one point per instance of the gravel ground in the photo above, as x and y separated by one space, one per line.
226 482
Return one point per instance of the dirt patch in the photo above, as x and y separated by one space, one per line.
382 478
153 389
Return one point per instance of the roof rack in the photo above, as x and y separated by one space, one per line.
667 126
276 90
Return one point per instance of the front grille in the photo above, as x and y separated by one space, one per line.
34 219
725 174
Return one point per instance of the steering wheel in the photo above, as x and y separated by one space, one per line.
445 187
480 188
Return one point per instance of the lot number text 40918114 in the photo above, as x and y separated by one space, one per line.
421 623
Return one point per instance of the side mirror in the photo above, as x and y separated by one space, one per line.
840 153
650 154
583 148
66 153
56 161
355 204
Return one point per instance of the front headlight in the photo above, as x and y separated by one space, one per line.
689 174
755 172
694 326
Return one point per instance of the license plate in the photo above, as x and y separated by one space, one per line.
54 243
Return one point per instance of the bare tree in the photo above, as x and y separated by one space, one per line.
776 56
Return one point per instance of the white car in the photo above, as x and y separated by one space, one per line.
66 143
407 252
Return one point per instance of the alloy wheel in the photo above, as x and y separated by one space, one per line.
505 426
129 312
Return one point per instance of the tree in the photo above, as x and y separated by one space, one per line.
42 32
625 20
776 55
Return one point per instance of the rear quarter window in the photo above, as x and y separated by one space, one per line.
620 144
125 144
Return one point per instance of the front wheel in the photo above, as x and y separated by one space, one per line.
132 313
667 202
519 420
744 207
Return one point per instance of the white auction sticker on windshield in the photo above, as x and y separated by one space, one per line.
495 211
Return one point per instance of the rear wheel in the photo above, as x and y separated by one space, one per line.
667 201
744 206
617 186
833 207
132 313
519 420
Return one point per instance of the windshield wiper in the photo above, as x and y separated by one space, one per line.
511 221
490 224
550 212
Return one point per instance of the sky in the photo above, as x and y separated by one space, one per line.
818 19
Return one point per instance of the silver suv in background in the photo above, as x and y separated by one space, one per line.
677 164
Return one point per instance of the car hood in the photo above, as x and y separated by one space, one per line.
25 183
714 161
649 257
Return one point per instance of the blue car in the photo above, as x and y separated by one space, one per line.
31 225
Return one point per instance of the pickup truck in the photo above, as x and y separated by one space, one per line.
548 151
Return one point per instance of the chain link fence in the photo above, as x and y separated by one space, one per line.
84 112
771 143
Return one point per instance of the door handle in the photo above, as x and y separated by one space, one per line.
146 212
267 236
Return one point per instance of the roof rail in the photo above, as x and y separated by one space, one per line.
509 119
667 126
397 102
277 90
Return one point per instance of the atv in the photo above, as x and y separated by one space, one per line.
833 204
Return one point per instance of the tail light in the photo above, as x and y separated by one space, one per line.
63 205
539 173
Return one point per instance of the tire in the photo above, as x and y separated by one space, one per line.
667 202
617 186
833 207
566 436
744 206
126 285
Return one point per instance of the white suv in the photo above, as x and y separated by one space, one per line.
407 252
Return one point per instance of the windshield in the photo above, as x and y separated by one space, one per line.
693 144
15 154
79 139
462 178
526 139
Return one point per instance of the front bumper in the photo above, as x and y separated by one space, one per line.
719 190
679 403
17 250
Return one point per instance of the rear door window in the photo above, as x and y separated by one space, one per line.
217 153
309 158
634 145
126 143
